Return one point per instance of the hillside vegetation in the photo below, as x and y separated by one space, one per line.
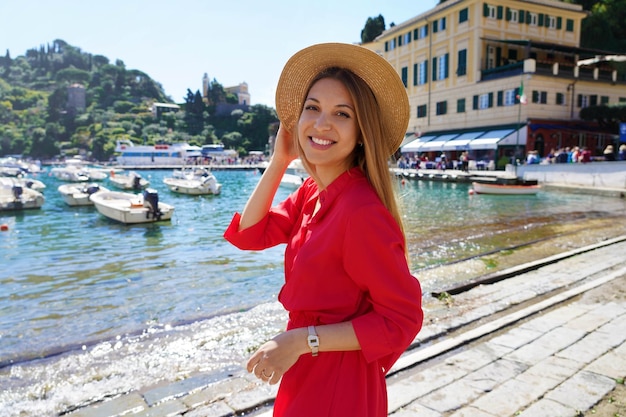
36 121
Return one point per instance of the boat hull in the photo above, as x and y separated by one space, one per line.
15 197
505 189
78 194
193 186
129 208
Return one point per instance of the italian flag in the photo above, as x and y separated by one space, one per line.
521 96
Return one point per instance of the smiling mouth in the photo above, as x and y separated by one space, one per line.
321 142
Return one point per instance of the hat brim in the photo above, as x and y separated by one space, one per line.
378 74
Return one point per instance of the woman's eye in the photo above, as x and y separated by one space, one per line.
310 107
343 114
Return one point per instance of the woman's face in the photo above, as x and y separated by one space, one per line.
328 128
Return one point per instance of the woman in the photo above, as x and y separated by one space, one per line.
354 306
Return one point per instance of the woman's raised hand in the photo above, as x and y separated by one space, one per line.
284 147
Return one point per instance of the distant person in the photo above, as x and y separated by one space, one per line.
585 155
622 152
608 153
464 161
353 305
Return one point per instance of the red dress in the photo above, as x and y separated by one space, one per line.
346 263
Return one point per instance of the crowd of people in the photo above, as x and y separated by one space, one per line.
578 155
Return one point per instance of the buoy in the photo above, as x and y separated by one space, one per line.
4 227
471 192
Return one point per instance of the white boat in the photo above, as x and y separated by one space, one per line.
294 176
163 154
129 208
206 184
131 181
69 173
508 189
78 194
14 196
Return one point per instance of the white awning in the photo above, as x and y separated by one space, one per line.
436 144
460 142
517 137
490 139
416 144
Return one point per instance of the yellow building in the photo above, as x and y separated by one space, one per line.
464 63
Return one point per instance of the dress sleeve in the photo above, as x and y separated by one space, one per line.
274 229
374 258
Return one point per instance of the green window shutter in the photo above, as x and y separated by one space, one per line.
540 22
569 25
435 26
475 102
415 74
386 46
426 70
535 96
508 14
500 98
434 69
490 99
416 34
500 12
559 23
521 15
485 10
447 67
405 76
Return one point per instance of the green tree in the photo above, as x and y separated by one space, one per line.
374 26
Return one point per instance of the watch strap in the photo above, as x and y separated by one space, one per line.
313 341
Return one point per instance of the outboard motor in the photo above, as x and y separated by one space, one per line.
93 188
151 201
137 182
17 191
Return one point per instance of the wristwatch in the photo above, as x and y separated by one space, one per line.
313 341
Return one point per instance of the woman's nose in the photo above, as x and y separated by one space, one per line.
322 122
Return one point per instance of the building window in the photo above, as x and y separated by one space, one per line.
416 34
533 19
551 22
405 76
464 15
442 72
442 24
462 63
604 100
510 97
460 105
569 25
593 100
421 111
489 11
583 101
483 101
423 31
407 38
512 15
540 97
392 44
560 99
442 107
423 73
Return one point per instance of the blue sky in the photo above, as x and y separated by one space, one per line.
175 42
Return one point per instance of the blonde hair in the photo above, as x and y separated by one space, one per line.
372 157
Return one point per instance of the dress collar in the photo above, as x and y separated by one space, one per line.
335 188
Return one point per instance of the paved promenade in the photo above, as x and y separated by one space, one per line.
550 341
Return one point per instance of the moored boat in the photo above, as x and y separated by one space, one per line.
505 189
131 181
14 196
194 186
129 208
78 194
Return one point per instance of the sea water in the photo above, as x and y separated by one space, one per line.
72 278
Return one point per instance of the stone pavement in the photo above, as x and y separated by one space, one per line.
529 345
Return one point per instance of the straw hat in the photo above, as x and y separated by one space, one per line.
377 73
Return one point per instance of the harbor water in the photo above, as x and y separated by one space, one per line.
72 279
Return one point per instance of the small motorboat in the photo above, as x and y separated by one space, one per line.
506 189
129 208
15 196
78 194
131 181
206 183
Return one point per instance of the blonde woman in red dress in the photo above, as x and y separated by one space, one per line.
353 305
